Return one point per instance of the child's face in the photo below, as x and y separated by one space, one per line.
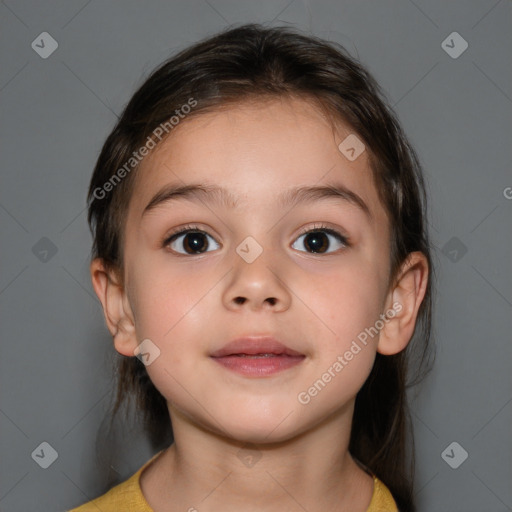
191 305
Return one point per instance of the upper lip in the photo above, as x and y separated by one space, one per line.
252 345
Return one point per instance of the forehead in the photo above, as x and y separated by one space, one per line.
257 151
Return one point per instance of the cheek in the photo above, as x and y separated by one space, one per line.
175 309
165 297
342 303
343 338
169 312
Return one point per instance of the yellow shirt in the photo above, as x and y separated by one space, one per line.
127 497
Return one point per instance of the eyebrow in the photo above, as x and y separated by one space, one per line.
213 194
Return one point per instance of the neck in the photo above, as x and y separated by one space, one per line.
312 471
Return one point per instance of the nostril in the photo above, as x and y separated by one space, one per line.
241 300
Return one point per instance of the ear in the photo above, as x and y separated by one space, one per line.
116 307
404 300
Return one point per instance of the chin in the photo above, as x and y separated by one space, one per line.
263 424
264 434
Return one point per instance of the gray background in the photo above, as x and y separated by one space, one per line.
55 114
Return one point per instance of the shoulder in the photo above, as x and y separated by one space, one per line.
126 496
382 500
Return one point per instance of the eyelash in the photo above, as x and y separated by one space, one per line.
322 227
182 231
317 227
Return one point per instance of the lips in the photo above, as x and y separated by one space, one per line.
252 346
257 356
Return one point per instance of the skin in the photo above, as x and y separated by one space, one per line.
187 306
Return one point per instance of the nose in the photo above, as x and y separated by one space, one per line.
257 286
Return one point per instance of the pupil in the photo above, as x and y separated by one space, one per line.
193 242
314 241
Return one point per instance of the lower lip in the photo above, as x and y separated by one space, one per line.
259 366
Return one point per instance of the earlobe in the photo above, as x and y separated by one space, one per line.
116 308
403 303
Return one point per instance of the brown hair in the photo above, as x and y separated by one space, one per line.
251 62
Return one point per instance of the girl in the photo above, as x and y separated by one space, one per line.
262 257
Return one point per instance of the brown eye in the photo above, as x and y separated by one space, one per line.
190 242
317 241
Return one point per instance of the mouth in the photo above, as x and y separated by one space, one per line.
257 356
